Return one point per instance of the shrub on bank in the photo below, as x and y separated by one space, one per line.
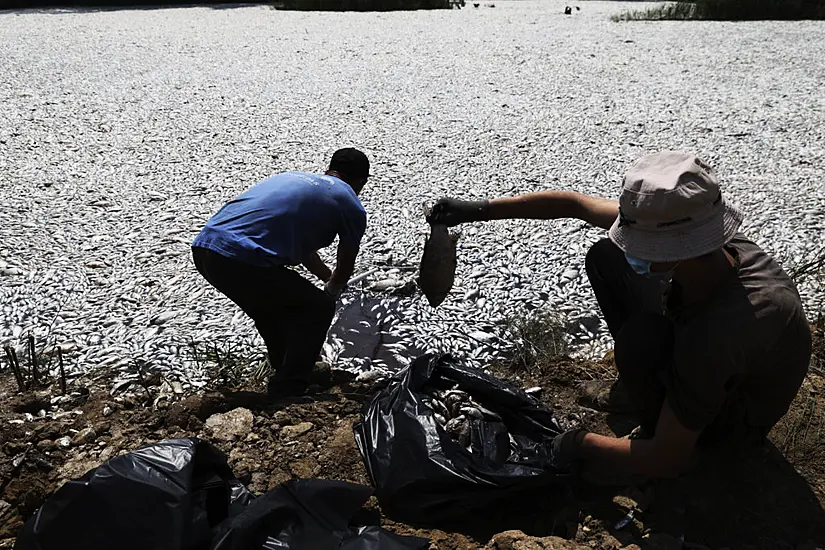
729 10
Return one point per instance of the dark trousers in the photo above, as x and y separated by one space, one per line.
291 314
643 345
632 308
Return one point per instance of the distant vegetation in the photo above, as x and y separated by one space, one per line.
729 10
362 5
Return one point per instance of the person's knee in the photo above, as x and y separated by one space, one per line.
644 344
602 254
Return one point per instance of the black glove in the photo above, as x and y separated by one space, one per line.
452 212
565 448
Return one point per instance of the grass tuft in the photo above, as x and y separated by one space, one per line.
229 367
538 337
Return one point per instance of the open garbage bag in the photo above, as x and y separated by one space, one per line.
309 514
421 473
165 496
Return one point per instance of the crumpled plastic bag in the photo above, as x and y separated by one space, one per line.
180 494
309 514
422 474
165 496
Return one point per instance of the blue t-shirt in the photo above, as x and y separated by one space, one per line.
284 219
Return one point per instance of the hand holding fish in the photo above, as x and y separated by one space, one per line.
448 211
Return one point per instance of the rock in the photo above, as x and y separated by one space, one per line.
516 540
46 445
107 410
106 454
297 430
84 437
200 406
64 442
282 418
235 424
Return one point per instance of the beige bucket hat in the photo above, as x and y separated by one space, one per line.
671 209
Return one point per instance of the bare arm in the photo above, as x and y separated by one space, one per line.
666 455
317 267
549 205
343 269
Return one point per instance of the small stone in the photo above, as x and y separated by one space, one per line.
84 436
64 442
235 424
46 445
107 410
282 418
106 454
297 430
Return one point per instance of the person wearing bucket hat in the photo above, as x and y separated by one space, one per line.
247 248
711 342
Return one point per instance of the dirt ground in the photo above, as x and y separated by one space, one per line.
772 498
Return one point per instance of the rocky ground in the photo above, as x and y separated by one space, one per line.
771 498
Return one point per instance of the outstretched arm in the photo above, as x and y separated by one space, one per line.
543 205
550 205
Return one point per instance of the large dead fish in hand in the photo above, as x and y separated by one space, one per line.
437 270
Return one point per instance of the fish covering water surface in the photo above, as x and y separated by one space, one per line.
437 270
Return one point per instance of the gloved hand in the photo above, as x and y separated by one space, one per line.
450 212
565 448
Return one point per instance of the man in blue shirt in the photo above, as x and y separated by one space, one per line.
245 249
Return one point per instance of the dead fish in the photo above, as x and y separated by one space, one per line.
437 270
386 284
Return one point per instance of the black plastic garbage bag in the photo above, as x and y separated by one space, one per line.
165 496
421 474
309 514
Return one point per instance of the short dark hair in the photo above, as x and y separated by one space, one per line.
350 163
